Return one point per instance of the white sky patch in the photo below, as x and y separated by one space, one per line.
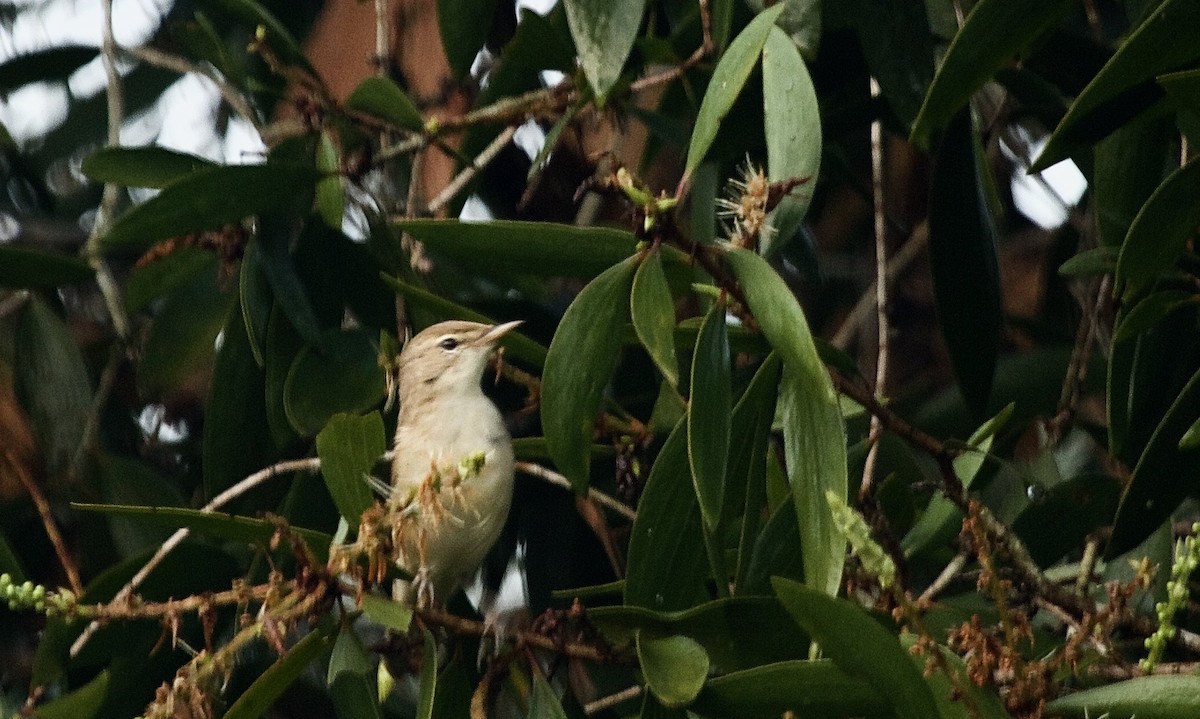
1046 198
530 137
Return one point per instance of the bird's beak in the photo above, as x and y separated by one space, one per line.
493 335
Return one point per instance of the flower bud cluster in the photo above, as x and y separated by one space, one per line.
854 528
28 595
1187 559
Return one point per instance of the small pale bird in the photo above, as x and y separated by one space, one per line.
452 471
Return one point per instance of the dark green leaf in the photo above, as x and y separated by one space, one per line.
1126 84
354 697
210 198
582 356
860 646
1148 311
340 375
978 703
1090 263
348 447
52 383
273 682
749 442
130 482
543 704
818 689
22 268
962 252
1058 521
675 668
464 25
653 311
256 301
708 416
775 552
813 434
148 166
428 686
604 33
348 655
792 122
993 32
1153 697
10 564
82 703
541 249
387 613
330 196
898 47
276 235
1159 233
55 63
182 338
1128 165
163 276
666 568
384 99
252 16
730 75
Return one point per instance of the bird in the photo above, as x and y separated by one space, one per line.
452 466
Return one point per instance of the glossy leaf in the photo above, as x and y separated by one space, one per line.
1126 85
581 359
464 25
813 435
543 704
354 697
774 553
210 198
653 311
256 301
1090 263
708 416
749 442
1129 165
728 78
992 33
22 268
1152 697
1059 520
860 646
383 98
1191 438
341 375
962 253
428 681
809 688
666 568
273 682
149 166
182 338
540 249
675 668
386 613
348 655
348 447
273 254
604 33
1159 233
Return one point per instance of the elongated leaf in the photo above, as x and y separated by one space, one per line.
813 435
1090 263
211 198
818 689
1159 233
708 416
1129 165
792 121
464 25
582 356
348 655
165 276
182 338
860 646
348 447
653 313
279 676
1148 311
1126 85
675 668
341 375
749 441
354 697
774 552
604 33
82 703
979 702
22 268
252 16
962 252
387 613
666 568
897 44
1153 697
428 685
148 166
541 249
383 98
727 81
993 32
55 63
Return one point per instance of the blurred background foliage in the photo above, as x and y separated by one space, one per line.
218 224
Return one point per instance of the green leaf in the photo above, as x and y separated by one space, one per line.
331 197
582 356
217 524
653 311
728 78
131 482
55 63
10 563
774 553
252 16
182 338
666 568
428 685
342 374
256 301
813 435
1128 165
464 26
792 121
1152 697
354 697
604 33
276 235
348 447
211 198
383 98
675 668
962 252
1060 519
749 441
82 703
348 655
1159 233
273 682
708 416
540 249
993 32
817 689
51 381
22 268
149 166
979 702
387 613
543 704
860 646
164 276
1148 311
1090 263
897 44
800 24
1126 84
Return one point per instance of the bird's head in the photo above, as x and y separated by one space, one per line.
448 358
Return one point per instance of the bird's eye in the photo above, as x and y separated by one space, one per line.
448 344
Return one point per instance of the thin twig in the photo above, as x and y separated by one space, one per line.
91 427
231 95
470 171
462 625
947 575
1077 368
610 701
47 516
552 477
706 47
899 262
881 300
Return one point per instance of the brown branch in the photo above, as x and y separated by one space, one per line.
47 515
706 47
574 650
